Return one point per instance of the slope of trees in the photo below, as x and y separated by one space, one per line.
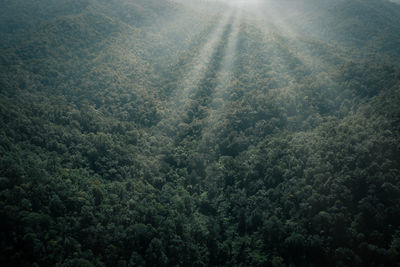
112 155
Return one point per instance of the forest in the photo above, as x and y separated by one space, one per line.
199 133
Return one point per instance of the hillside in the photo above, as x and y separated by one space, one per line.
199 133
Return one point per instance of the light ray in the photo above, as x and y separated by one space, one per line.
296 46
198 68
224 78
225 74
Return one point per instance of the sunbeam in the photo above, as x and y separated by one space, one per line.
226 71
286 39
224 78
198 68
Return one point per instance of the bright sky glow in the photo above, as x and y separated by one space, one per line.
242 3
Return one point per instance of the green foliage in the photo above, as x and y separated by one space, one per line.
112 154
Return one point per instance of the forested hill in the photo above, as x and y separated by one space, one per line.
199 133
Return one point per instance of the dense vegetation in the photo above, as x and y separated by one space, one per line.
157 133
